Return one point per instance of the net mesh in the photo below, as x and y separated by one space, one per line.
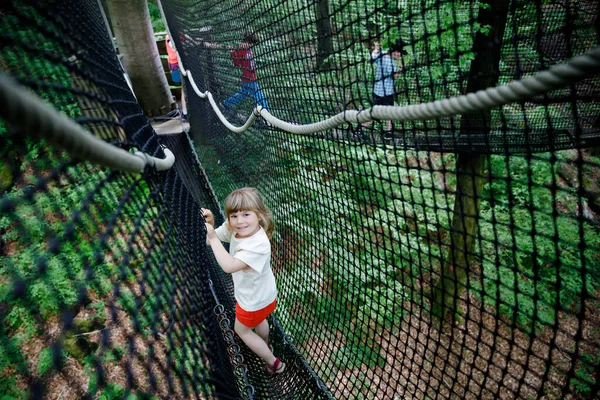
455 257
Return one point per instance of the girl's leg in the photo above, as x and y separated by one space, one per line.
254 342
246 91
234 99
260 98
263 331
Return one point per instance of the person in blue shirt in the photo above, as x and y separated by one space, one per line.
386 72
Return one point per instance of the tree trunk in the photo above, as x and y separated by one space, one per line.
324 33
470 167
135 38
596 150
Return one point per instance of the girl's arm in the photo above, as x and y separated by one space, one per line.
214 45
228 263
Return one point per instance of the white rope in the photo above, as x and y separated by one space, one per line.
558 76
159 164
20 107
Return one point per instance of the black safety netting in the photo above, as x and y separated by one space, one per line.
106 286
455 257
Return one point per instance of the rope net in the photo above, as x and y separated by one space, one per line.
456 257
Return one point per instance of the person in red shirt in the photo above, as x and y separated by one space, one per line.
243 58
173 63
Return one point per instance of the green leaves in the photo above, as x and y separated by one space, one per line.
533 275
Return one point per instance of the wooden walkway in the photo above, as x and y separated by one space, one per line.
171 126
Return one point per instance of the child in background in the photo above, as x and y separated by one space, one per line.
173 63
248 228
244 59
386 73
384 88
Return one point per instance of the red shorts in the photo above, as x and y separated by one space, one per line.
252 319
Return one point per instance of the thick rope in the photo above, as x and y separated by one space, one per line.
21 108
558 76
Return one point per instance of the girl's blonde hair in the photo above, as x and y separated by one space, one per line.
250 199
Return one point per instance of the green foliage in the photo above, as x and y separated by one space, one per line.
116 391
12 363
112 392
9 389
22 323
99 308
585 373
45 361
544 273
357 355
158 25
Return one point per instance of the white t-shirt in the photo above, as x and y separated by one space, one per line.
254 288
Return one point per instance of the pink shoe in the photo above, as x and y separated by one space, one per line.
276 368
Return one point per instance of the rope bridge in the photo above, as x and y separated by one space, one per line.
446 256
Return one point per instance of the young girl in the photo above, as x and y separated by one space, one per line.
248 229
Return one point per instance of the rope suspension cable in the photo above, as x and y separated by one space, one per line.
20 107
556 77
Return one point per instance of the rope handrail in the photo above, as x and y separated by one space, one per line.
20 107
556 77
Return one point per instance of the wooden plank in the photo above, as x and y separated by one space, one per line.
170 127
